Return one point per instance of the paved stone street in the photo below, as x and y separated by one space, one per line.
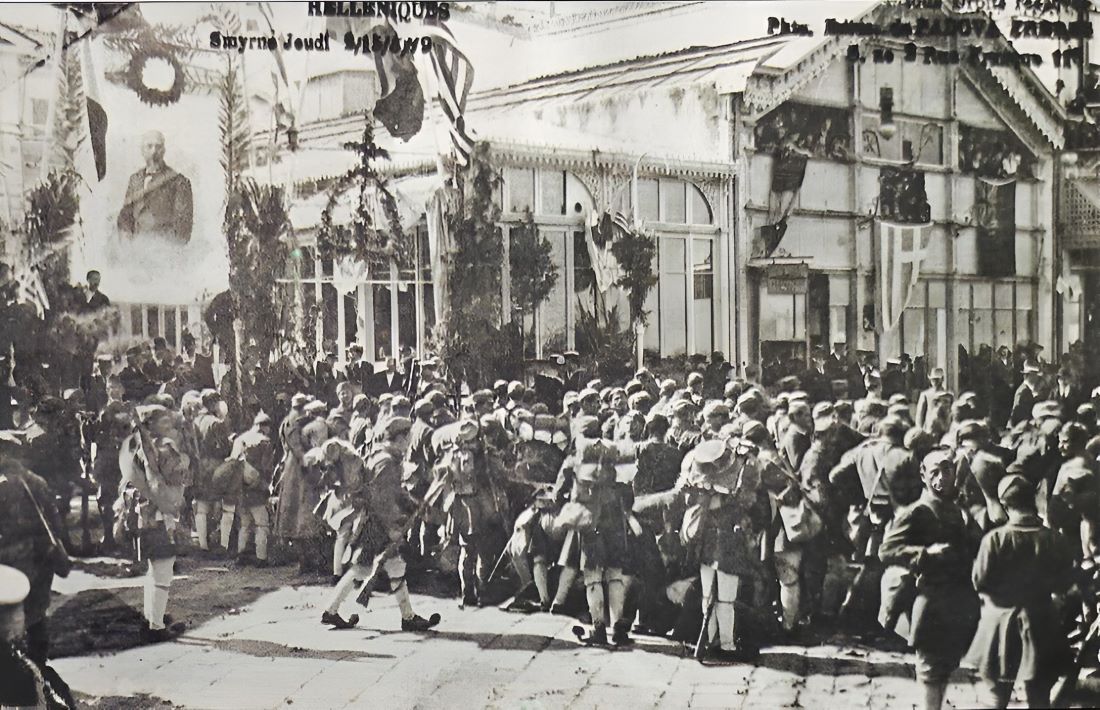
273 653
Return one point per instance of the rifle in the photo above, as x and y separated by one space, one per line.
707 616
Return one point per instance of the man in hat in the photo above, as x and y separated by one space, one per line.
932 540
714 377
256 452
1067 392
720 488
928 396
113 424
796 440
385 509
136 384
1018 636
893 378
695 387
213 446
1027 394
684 430
94 383
978 471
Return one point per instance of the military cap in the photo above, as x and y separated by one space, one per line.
400 401
748 400
937 373
892 425
942 394
500 385
393 427
359 400
823 409
971 429
798 396
898 399
1015 491
715 408
634 386
1095 393
799 407
163 398
430 361
874 408
873 375
782 398
917 439
422 407
596 384
571 353
709 452
605 394
149 413
190 398
616 391
133 350
693 378
569 399
315 407
732 430
482 397
967 397
297 401
105 357
587 393
587 426
754 431
515 387
843 408
460 432
732 390
522 414
668 386
639 398
261 419
893 361
788 383
899 410
557 359
684 408
439 399
1030 368
1046 410
1086 410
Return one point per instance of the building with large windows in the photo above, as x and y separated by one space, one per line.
792 186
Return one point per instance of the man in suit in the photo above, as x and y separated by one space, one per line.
94 384
387 381
158 199
1068 392
1026 394
95 298
928 396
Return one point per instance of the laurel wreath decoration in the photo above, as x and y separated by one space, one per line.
135 75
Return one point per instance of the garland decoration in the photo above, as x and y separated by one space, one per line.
135 75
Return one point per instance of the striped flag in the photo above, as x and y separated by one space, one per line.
30 289
901 248
454 75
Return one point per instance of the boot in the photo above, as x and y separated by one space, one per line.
621 634
419 623
599 635
151 635
338 622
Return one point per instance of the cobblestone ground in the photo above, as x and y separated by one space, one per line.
274 653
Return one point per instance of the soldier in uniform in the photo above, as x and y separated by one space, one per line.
297 489
382 509
1027 394
29 538
474 502
113 425
212 438
932 540
720 488
26 684
256 451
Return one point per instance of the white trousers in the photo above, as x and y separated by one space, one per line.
723 620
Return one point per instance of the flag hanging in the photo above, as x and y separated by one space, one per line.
30 288
454 75
901 248
95 116
600 232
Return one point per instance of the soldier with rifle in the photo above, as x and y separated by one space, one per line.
381 523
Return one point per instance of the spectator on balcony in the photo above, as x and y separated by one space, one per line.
94 298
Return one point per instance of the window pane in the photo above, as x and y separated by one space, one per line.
962 329
674 208
1023 325
983 326
674 313
1002 325
937 294
1023 296
552 188
153 320
671 250
170 325
135 320
552 311
913 332
983 295
1002 294
647 200
382 331
700 211
520 183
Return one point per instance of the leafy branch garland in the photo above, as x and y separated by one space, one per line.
361 238
634 250
135 74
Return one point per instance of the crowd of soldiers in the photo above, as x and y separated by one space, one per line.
709 509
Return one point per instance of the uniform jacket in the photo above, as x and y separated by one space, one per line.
255 448
24 542
946 609
1019 635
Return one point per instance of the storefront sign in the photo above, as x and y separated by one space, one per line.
788 278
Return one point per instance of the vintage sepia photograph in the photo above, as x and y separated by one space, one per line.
578 354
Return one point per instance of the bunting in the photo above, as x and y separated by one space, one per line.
454 75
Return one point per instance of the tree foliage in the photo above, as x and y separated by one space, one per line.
533 271
472 341
634 250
